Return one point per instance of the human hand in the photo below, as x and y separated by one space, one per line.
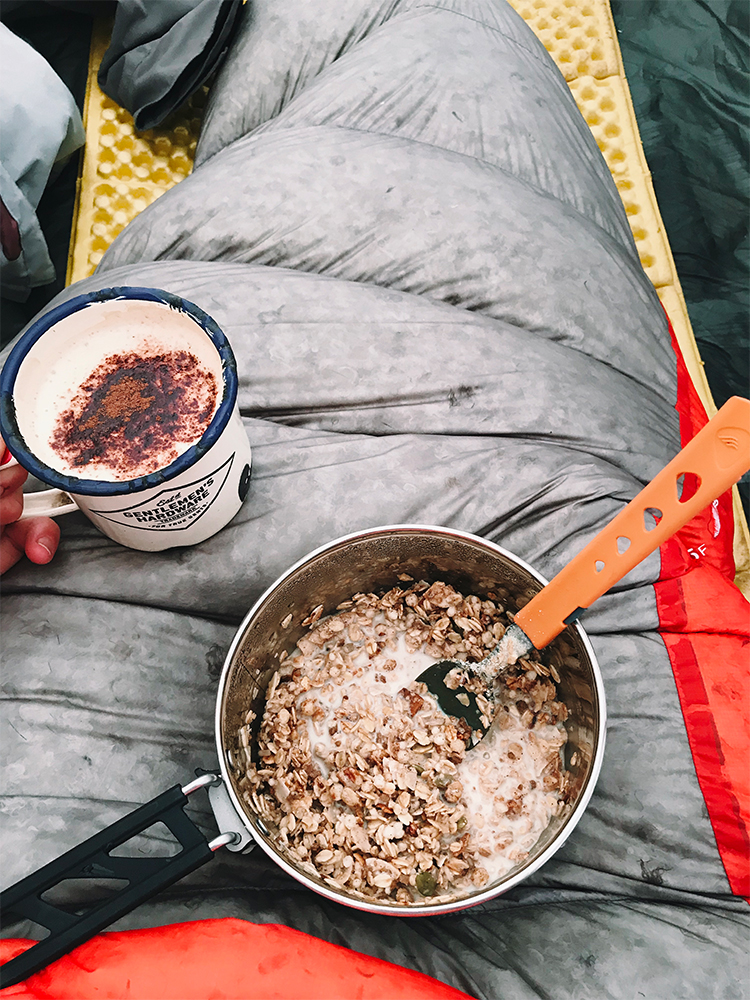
37 537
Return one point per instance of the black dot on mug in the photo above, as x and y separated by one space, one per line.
244 483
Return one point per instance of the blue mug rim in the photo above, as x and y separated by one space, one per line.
99 488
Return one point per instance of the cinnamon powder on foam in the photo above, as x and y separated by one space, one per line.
133 413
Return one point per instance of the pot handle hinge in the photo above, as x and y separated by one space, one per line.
143 878
226 815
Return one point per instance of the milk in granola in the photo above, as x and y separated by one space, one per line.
510 760
381 676
370 785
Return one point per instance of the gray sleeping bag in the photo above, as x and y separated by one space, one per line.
406 230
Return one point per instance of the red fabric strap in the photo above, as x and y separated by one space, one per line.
705 624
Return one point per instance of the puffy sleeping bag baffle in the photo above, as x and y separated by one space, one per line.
406 229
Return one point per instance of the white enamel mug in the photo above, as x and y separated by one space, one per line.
183 503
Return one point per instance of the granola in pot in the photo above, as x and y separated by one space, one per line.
369 784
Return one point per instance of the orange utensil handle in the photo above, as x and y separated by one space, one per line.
718 456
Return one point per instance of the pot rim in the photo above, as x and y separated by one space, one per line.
421 910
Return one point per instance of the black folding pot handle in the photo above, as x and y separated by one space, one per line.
92 859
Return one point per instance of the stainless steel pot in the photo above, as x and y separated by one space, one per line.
366 561
370 561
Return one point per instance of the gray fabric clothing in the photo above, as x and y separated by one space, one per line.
160 53
40 128
438 318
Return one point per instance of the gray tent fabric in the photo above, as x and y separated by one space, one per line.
160 53
439 317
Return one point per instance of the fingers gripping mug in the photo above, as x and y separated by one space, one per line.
125 401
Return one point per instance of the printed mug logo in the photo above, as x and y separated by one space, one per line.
173 509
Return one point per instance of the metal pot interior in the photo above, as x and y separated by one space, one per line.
371 561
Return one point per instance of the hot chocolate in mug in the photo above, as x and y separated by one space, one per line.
125 401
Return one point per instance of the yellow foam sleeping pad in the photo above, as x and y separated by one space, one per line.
123 171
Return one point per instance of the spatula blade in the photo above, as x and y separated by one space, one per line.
460 703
